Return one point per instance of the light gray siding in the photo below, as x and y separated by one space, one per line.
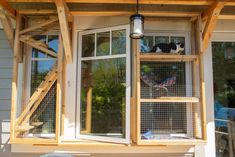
5 94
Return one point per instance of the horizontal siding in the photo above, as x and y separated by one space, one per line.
5 63
4 44
5 104
5 73
5 94
5 53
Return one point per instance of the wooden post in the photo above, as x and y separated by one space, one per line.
15 76
58 90
202 77
138 88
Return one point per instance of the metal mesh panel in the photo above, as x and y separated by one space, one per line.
165 79
166 121
45 113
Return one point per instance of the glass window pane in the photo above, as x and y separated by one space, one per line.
103 95
88 45
224 95
53 42
103 44
119 42
161 39
146 44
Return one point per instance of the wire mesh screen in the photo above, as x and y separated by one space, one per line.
44 117
167 121
165 79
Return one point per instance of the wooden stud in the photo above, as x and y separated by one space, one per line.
138 97
37 45
213 14
59 89
38 95
8 27
32 108
171 2
64 29
15 76
9 10
32 28
170 57
202 78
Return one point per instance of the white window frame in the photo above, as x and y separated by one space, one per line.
188 70
79 135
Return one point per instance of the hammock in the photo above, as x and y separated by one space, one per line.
162 85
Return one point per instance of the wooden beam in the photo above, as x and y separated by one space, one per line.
8 27
38 95
59 85
37 45
7 8
213 14
128 13
170 57
38 26
15 76
64 29
172 2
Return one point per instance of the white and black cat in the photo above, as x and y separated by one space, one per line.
168 48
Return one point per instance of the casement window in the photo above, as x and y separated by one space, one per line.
103 97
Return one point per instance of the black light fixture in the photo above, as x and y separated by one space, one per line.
137 24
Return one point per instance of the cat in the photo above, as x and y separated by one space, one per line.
168 48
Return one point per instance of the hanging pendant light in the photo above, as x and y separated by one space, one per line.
137 24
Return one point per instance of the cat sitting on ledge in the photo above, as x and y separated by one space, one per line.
168 48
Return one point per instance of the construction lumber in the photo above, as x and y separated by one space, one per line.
171 2
24 128
59 90
212 13
15 76
32 28
7 26
62 10
170 57
37 45
7 8
38 95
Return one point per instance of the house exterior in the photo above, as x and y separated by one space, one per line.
73 81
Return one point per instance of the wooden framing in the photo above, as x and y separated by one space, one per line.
175 2
8 27
15 76
38 26
169 58
59 87
212 13
64 29
37 97
172 99
37 44
9 10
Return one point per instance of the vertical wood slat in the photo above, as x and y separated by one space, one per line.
202 77
59 90
15 76
138 109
